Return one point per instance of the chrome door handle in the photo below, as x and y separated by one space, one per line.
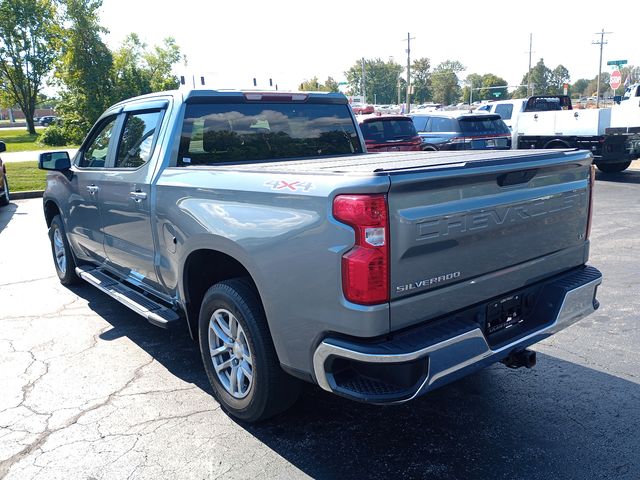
92 189
138 196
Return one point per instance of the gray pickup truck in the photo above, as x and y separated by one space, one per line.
260 221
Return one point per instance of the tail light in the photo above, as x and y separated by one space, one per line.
365 268
592 184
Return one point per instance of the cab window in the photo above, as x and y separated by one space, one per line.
96 152
137 139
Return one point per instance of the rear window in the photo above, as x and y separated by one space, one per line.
383 130
482 126
220 133
505 110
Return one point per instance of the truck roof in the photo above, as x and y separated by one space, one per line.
196 95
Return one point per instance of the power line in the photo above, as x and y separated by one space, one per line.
602 43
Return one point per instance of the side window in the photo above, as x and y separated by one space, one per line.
504 110
136 141
439 124
420 123
95 154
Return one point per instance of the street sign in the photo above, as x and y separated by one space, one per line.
617 62
615 80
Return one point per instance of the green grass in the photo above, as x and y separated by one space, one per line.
20 140
25 176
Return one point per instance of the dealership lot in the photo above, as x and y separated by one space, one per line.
91 390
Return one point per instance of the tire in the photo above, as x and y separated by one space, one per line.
245 350
555 144
5 197
613 167
62 257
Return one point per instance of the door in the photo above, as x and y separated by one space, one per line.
83 221
125 199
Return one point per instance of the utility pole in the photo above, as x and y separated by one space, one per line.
409 38
602 43
529 76
363 90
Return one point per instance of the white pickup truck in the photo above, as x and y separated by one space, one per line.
611 134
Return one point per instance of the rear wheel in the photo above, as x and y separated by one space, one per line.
613 167
62 257
239 356
4 199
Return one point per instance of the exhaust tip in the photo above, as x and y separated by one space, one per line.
520 358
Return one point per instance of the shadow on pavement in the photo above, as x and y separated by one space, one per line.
558 420
6 214
628 176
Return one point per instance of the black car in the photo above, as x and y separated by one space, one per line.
47 120
462 131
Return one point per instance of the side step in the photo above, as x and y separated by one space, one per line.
154 312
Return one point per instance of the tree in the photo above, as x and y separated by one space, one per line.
592 87
381 79
29 45
578 88
473 80
544 80
314 85
84 70
558 77
137 71
421 79
484 87
330 85
130 78
159 63
445 82
489 90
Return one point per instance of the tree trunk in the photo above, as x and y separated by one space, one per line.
28 116
30 125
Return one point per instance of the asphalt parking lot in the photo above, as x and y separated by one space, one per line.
89 390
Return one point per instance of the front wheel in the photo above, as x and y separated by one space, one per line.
4 199
613 167
62 256
239 356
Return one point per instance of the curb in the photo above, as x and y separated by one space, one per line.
27 194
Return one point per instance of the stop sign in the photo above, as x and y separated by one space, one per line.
616 80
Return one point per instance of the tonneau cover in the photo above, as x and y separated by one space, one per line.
401 162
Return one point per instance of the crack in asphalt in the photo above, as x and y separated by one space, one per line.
6 465
26 281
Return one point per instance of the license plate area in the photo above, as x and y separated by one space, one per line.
504 314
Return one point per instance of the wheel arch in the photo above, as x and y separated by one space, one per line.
557 143
203 268
51 209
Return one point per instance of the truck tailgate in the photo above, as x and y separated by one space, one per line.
467 232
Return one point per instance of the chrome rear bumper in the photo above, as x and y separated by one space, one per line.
443 357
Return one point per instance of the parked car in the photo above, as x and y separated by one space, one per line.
47 120
361 109
4 184
389 133
462 131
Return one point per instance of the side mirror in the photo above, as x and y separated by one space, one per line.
3 147
58 161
